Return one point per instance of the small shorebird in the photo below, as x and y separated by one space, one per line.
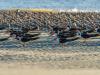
86 35
98 30
4 34
23 38
67 36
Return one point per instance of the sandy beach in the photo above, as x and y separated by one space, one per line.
45 56
50 62
38 71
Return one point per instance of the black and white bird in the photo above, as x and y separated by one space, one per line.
4 33
86 35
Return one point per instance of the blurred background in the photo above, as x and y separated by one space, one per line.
55 4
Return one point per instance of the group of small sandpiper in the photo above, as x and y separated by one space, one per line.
63 34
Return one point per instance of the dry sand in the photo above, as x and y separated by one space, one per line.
39 71
26 70
34 62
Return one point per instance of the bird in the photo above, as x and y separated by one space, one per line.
23 38
90 30
26 38
67 36
4 34
86 35
4 39
27 29
57 29
2 27
23 35
97 30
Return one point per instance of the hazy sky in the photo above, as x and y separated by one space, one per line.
81 4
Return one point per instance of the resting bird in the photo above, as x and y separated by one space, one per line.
4 39
90 30
1 28
98 30
67 36
24 37
21 35
57 29
27 29
87 35
4 35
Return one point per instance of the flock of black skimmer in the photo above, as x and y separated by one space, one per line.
63 34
